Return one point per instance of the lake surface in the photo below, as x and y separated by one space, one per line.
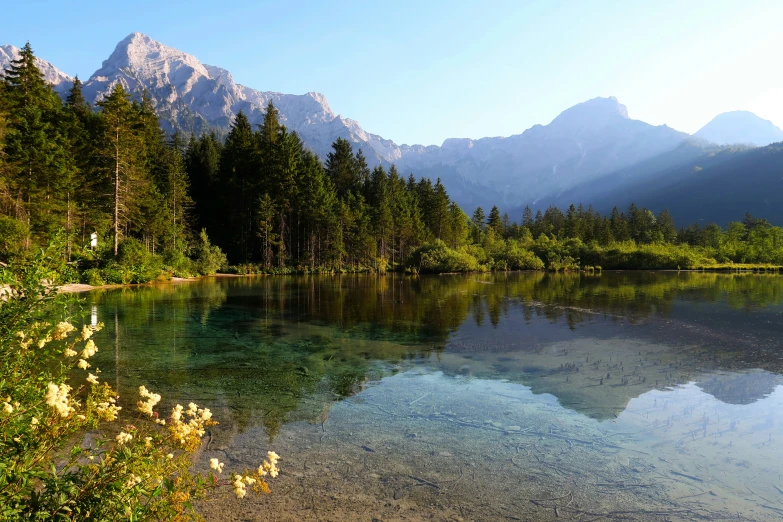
521 396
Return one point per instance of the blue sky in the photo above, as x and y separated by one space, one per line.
422 71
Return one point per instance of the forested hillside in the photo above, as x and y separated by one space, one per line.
163 205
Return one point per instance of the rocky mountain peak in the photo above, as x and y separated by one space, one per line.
594 113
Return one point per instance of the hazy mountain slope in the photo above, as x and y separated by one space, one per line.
717 185
740 127
584 142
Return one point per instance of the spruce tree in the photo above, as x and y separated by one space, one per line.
36 151
342 168
494 221
121 149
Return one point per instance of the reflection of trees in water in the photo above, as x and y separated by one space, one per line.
269 347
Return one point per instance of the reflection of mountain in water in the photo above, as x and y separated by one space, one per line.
273 350
741 388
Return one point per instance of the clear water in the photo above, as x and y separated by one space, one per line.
524 396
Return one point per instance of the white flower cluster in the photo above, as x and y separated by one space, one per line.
269 465
132 481
123 437
239 483
108 411
62 330
183 431
57 398
216 465
152 400
86 332
7 408
89 349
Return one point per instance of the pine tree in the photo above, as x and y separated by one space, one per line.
666 226
265 228
527 219
238 168
440 211
178 200
120 148
494 221
36 151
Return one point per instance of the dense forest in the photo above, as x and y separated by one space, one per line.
165 205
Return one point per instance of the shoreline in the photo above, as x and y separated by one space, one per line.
75 288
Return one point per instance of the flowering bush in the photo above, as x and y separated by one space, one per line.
121 465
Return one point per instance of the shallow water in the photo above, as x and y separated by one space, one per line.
523 396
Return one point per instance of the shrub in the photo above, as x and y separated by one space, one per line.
518 258
438 258
178 263
136 465
93 277
13 234
208 258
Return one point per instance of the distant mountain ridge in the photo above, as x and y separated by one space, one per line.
740 127
577 153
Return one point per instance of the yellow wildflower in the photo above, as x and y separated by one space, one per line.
92 379
70 353
83 364
8 408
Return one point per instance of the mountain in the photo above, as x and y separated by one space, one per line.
589 152
58 79
697 182
581 144
740 127
195 97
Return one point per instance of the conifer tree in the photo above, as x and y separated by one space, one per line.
36 151
494 221
238 167
342 168
120 148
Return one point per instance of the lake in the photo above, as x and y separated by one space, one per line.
506 396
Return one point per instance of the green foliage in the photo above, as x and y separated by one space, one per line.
436 257
518 258
266 201
209 258
13 235
178 263
132 466
93 276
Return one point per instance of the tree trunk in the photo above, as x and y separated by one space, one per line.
117 194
